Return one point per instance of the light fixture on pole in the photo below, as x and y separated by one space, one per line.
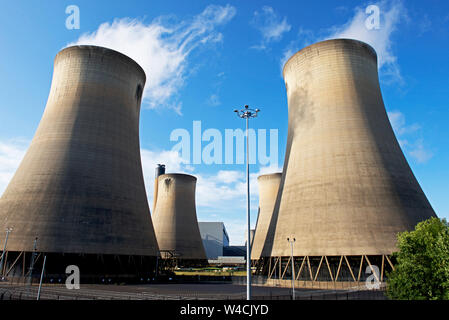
292 241
246 114
8 230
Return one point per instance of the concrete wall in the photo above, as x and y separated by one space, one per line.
346 187
80 186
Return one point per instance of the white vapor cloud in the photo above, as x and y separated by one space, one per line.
391 14
161 48
270 26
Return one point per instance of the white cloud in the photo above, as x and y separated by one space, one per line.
406 135
214 100
397 120
11 154
270 26
229 176
419 152
162 48
391 14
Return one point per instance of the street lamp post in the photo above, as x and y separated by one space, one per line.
292 241
8 230
246 114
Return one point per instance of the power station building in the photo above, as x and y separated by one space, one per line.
215 238
175 220
78 196
346 189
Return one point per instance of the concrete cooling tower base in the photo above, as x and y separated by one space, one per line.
94 268
310 271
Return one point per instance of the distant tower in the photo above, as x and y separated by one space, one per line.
175 220
80 188
268 190
346 189
160 170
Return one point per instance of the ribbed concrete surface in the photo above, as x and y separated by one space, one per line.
268 190
80 186
346 187
175 220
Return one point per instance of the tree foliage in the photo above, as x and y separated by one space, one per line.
422 268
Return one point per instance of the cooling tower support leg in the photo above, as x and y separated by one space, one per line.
300 268
391 265
13 264
329 268
372 270
337 269
319 267
5 256
350 269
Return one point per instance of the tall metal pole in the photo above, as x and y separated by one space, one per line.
293 267
247 113
248 217
8 230
40 282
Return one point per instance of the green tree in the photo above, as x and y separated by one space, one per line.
422 268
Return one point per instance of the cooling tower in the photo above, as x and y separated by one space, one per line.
346 188
80 188
268 190
175 220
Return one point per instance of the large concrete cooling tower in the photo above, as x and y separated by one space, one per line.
175 220
80 188
268 190
346 189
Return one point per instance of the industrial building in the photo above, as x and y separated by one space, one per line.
216 242
175 220
346 189
214 237
78 196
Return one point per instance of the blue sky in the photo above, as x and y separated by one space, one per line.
204 59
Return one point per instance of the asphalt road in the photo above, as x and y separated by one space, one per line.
201 291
